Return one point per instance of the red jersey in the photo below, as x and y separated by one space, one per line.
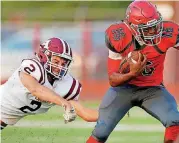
120 42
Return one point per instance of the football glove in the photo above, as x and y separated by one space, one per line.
70 115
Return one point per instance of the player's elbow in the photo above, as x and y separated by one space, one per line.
112 82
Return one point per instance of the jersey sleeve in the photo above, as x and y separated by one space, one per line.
33 68
171 32
78 95
74 91
113 41
113 38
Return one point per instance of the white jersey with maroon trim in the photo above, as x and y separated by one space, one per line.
17 101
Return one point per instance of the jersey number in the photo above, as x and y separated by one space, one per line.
25 109
29 70
149 69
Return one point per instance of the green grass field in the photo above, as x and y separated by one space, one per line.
49 128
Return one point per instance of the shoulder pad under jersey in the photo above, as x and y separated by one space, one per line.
171 32
34 68
118 37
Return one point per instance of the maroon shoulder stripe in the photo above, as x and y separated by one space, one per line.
70 52
77 92
66 45
71 89
42 77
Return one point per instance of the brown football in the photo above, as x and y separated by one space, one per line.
134 55
124 65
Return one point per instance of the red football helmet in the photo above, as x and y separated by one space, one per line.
145 22
55 47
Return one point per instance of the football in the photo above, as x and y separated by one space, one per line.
124 65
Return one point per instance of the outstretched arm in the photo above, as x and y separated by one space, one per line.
45 94
87 114
41 92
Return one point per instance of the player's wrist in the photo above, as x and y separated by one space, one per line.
61 102
132 74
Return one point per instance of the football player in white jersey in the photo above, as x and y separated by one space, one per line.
39 84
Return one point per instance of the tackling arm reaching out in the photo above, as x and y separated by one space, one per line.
89 115
41 92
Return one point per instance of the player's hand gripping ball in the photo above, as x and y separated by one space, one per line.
125 66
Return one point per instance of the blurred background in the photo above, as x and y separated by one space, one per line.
25 24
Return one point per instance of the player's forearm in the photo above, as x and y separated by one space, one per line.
89 115
41 92
116 79
48 95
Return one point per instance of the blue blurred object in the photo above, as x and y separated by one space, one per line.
23 40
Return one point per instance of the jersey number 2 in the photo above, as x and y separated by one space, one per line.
29 70
25 109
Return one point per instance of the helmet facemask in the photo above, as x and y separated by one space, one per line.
51 67
142 32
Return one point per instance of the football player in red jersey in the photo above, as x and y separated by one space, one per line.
145 31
